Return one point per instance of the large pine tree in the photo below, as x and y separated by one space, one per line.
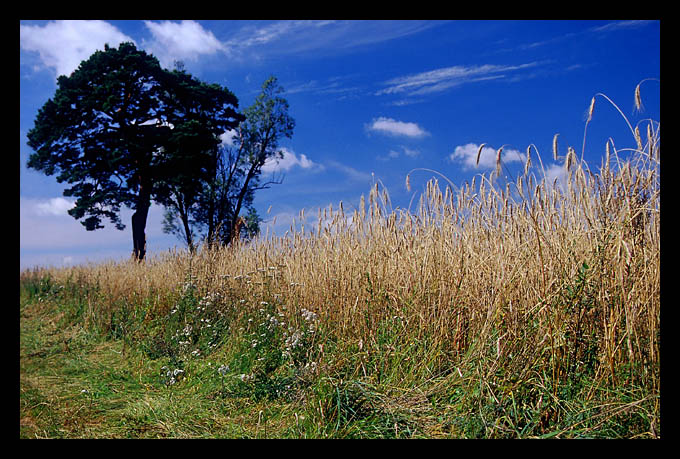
121 130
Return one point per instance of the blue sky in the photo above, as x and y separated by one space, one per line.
372 100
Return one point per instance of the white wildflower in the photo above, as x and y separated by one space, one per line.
309 316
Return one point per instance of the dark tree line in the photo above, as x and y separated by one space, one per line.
123 131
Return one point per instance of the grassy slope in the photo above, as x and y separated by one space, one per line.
115 378
125 394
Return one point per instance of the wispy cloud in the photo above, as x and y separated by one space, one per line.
327 37
258 35
334 86
394 154
62 45
393 127
621 25
350 172
448 77
54 206
609 27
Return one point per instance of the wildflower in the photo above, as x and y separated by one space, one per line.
188 285
310 367
223 370
293 341
309 316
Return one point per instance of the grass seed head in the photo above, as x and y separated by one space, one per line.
590 110
479 153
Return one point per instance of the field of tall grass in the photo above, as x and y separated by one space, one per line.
489 309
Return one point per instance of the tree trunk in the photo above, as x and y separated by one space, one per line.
138 235
187 231
139 221
239 202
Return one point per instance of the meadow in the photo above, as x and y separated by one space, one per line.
522 308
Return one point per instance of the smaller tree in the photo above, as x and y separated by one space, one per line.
267 121
199 113
236 175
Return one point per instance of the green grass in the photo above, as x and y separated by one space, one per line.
95 382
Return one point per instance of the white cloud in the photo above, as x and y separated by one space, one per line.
55 206
555 172
185 40
447 77
467 156
393 127
289 160
228 137
62 45
45 225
